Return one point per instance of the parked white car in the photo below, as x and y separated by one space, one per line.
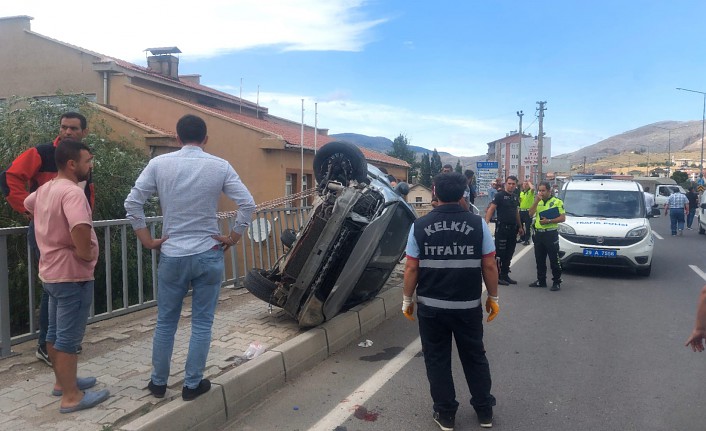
606 225
663 192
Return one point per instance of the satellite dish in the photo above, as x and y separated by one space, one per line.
259 230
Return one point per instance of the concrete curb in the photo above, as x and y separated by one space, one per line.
239 389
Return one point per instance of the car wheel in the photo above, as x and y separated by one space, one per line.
645 272
288 237
701 229
342 162
259 285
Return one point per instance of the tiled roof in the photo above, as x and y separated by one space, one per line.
152 73
291 133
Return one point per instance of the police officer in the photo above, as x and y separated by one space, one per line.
507 204
546 239
450 251
526 201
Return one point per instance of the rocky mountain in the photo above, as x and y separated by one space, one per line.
685 136
383 145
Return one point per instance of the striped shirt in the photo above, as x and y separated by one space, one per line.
677 200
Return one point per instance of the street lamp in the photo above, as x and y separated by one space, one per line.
703 120
669 148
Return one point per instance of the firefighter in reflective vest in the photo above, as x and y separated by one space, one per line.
450 251
549 211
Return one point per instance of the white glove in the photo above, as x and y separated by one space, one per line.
408 307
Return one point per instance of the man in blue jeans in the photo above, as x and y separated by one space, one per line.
69 252
677 207
189 183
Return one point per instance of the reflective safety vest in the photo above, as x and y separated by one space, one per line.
450 242
526 199
552 202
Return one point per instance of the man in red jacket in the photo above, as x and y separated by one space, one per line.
27 172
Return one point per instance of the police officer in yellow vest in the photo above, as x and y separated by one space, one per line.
526 201
549 211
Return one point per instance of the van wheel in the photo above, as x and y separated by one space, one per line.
645 272
701 229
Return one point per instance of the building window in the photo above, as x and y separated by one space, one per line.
305 186
289 188
418 199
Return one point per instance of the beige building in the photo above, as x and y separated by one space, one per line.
419 196
144 103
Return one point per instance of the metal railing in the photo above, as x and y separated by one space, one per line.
126 277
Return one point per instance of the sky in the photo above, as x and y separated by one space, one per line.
447 74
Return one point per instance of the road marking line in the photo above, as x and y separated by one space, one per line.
520 254
657 235
362 393
698 271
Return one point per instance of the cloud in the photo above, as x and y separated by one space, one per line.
458 135
204 29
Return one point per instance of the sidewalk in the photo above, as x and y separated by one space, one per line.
118 352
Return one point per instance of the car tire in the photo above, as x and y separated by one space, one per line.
342 162
702 231
644 272
288 237
259 285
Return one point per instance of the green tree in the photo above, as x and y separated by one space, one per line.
25 122
680 177
401 150
458 167
435 163
425 175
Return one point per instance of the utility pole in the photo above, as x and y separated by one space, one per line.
519 151
540 139
584 164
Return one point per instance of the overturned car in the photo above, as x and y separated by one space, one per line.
355 236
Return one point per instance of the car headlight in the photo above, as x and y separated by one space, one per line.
638 232
566 229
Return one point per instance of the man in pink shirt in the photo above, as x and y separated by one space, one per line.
69 252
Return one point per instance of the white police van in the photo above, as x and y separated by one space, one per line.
606 225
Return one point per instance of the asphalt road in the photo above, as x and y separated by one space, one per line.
605 353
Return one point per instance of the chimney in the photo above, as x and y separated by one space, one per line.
163 62
193 78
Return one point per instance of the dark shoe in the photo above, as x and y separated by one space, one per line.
90 399
538 283
503 282
190 394
525 243
42 355
555 286
445 422
79 349
508 279
485 417
157 391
